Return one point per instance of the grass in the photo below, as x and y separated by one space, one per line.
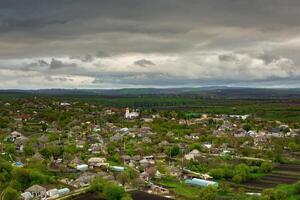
179 188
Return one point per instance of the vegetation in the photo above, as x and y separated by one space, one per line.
175 138
108 190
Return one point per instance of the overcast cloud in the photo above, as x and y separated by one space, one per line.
149 43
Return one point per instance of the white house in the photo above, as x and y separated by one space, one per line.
131 115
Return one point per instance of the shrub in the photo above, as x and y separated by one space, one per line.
237 178
266 167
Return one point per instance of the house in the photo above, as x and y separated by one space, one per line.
26 196
136 158
96 128
116 138
159 189
97 162
240 133
131 115
192 155
147 119
145 131
124 130
147 161
207 145
96 148
37 191
23 117
76 161
65 104
15 135
174 171
182 122
126 159
83 180
19 140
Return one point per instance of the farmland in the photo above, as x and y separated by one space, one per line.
281 174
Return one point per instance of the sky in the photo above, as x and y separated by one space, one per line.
149 43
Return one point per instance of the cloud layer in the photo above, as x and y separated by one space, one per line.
133 43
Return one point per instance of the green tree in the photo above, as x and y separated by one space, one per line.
174 151
10 194
113 192
242 173
247 127
217 173
10 149
5 171
97 185
28 150
22 176
274 194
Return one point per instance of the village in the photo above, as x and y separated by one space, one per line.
53 149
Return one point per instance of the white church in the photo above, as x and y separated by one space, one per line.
131 115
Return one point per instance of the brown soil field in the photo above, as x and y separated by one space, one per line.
136 195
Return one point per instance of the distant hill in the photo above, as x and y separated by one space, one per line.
205 92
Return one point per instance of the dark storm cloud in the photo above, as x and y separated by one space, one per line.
238 36
57 64
227 57
144 63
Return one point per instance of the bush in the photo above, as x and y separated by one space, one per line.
97 185
5 171
108 190
237 178
266 167
174 151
